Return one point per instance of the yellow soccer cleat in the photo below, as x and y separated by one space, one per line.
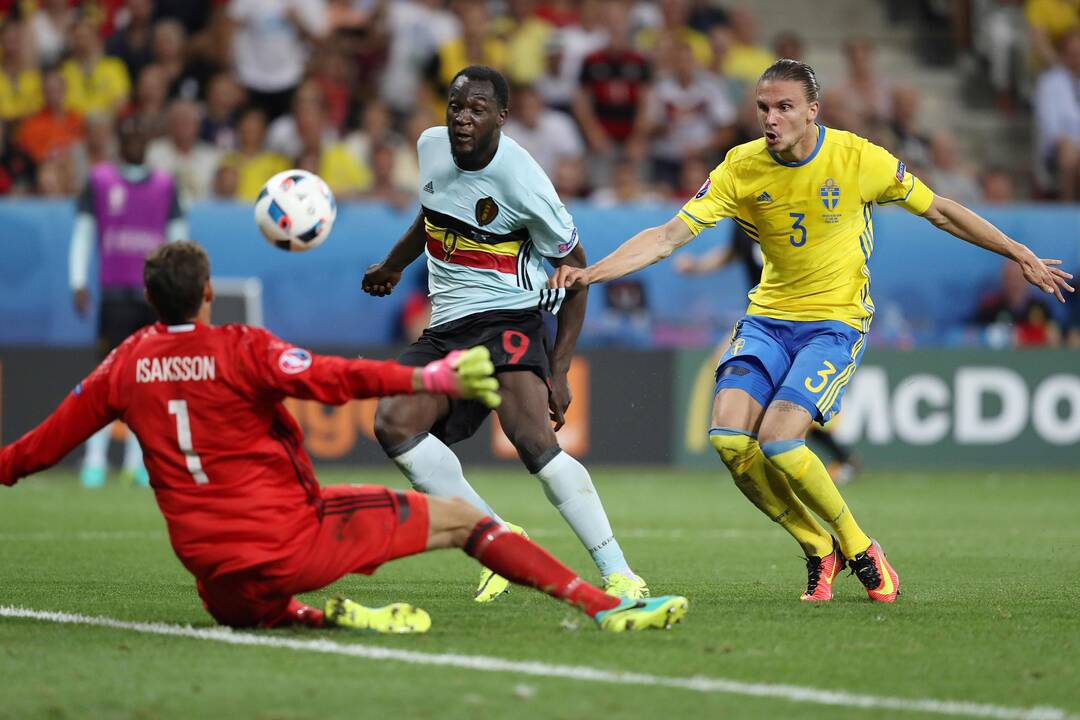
491 585
628 587
630 615
395 619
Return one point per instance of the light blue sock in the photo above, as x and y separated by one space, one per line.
133 461
97 449
434 469
570 489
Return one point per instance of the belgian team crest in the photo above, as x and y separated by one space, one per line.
486 210
830 194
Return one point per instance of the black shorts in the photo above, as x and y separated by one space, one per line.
121 313
516 339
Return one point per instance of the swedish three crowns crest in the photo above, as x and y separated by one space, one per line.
830 194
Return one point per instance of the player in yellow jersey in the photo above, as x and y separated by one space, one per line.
806 194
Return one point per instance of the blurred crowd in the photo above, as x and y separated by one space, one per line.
619 101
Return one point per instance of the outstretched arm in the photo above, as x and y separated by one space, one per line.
381 278
83 412
571 317
957 220
642 250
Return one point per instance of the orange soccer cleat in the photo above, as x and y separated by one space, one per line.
876 574
820 573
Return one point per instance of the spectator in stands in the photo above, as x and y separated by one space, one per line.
477 44
330 70
184 79
151 99
384 187
223 100
948 174
526 35
675 29
565 52
415 30
1057 121
226 182
281 135
1001 39
95 82
270 48
908 140
17 170
625 319
867 93
547 135
183 155
50 25
626 188
788 45
1014 316
691 116
571 179
1049 22
53 130
996 186
840 111
612 103
253 163
347 175
376 129
704 15
132 43
100 146
20 79
745 59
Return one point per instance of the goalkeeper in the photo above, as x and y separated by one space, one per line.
244 511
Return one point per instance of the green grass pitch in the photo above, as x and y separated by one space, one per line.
990 611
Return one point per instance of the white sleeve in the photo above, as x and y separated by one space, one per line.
82 244
313 15
242 10
551 228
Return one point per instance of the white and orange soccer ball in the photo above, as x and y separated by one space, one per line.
295 210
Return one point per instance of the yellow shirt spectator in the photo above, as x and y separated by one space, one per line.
745 63
1054 17
647 38
104 89
525 43
343 172
20 96
453 57
252 172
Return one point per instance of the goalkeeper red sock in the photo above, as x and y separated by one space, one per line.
521 561
297 613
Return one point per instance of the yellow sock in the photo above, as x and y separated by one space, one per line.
768 490
811 482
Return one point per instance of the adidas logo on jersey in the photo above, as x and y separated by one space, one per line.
430 187
764 197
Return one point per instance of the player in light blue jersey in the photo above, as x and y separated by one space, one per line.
489 218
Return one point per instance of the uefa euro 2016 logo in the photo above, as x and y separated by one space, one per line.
830 194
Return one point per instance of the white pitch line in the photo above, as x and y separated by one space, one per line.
793 693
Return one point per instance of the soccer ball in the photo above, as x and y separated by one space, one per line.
295 210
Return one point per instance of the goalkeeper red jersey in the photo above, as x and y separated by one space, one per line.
225 458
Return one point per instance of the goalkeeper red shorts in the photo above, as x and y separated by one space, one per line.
362 527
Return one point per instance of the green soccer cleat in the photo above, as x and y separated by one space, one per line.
630 615
395 619
628 587
491 585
